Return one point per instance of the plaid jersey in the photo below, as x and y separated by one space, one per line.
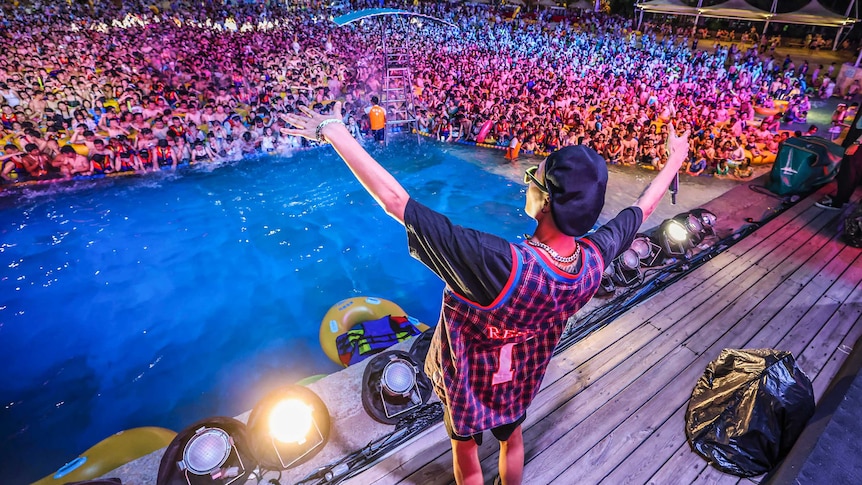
487 363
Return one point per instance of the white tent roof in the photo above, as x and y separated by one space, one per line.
813 14
735 9
582 4
668 7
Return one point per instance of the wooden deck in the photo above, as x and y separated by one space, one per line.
612 407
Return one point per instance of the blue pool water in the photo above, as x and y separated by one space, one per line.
164 299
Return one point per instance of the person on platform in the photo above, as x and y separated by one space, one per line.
377 116
505 305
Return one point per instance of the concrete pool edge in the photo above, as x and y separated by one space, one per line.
352 428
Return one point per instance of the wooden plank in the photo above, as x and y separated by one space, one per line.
592 464
821 382
770 227
822 348
624 438
601 423
645 460
827 309
682 468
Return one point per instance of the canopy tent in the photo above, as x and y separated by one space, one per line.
667 7
811 14
581 4
736 10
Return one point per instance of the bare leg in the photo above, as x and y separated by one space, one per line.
512 459
465 462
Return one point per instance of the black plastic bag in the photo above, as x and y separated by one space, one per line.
852 231
747 410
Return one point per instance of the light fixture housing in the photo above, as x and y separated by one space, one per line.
627 271
673 237
212 451
393 385
288 427
648 251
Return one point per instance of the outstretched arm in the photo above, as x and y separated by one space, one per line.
376 179
677 153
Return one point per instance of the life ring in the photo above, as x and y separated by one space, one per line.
80 148
763 110
780 105
342 316
483 132
110 453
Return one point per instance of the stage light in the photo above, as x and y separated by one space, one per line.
290 421
212 451
393 385
673 236
648 251
707 221
626 268
288 427
684 231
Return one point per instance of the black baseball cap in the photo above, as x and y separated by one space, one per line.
576 178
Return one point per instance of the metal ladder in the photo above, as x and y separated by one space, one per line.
397 98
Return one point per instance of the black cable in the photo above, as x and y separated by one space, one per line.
358 461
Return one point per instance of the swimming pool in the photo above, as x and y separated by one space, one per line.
164 299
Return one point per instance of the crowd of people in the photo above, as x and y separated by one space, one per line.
126 86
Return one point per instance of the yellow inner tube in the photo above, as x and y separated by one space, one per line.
110 453
352 311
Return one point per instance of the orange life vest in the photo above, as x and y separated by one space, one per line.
377 115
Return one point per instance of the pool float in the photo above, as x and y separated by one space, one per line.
310 379
80 148
346 314
483 132
110 453
780 105
764 111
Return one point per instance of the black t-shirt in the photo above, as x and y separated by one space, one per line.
476 265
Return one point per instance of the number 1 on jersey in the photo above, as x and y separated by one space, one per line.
504 370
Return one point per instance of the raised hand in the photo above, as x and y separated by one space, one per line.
677 146
309 124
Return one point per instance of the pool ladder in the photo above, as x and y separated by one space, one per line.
397 99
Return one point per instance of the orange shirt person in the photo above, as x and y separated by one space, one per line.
377 116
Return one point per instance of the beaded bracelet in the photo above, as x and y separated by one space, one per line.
319 131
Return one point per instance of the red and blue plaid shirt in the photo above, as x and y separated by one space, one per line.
487 363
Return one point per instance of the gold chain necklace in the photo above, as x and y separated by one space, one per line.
554 254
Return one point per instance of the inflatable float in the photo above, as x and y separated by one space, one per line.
765 111
483 131
366 325
111 453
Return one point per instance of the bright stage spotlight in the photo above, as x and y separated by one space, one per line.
684 231
212 451
673 237
288 427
